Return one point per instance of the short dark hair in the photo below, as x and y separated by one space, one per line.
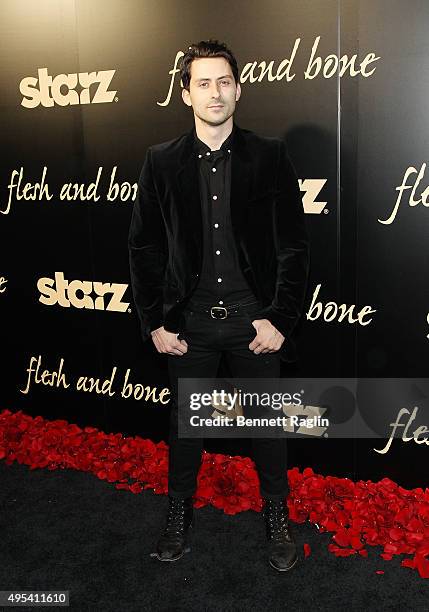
206 48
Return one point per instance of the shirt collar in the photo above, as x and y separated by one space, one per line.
201 149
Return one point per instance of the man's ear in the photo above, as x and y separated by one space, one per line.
186 98
238 92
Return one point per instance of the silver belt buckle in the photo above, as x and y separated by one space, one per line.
218 308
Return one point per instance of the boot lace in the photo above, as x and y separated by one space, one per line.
175 517
277 521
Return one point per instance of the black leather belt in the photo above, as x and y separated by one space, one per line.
219 312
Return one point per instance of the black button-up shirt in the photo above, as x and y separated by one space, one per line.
221 280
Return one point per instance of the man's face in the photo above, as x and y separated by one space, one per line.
212 90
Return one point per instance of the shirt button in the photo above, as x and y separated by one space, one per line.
207 153
229 150
217 252
213 169
214 197
200 156
220 301
216 224
219 280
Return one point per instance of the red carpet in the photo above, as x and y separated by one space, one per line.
359 514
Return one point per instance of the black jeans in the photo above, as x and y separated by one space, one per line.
208 339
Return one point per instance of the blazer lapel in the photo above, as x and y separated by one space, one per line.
240 183
188 181
190 199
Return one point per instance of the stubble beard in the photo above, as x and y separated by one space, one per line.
213 122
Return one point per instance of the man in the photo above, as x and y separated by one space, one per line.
219 264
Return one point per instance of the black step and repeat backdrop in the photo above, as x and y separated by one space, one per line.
88 85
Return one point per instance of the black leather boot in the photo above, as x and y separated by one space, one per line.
282 548
172 543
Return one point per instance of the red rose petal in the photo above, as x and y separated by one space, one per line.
358 514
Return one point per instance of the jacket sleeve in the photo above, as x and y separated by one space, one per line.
292 249
148 251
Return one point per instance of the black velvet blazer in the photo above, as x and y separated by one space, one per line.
165 236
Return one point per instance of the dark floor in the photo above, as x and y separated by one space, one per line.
68 530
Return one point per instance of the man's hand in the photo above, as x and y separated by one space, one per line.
268 338
167 342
